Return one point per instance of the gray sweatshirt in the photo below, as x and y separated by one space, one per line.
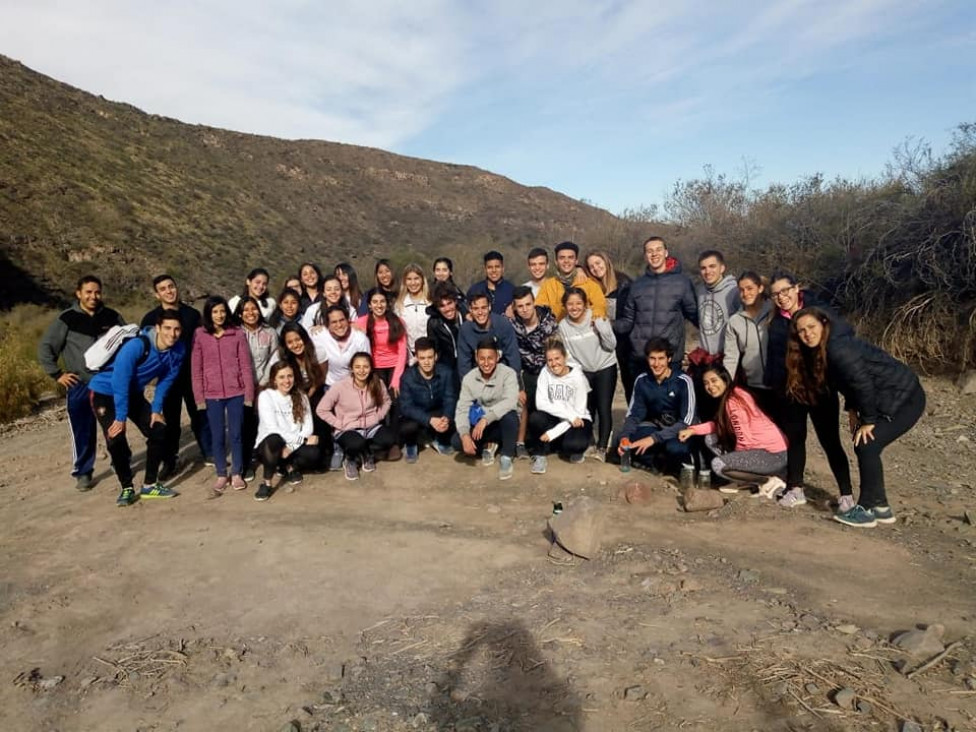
590 343
746 342
715 306
498 396
69 336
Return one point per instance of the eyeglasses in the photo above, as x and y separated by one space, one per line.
779 293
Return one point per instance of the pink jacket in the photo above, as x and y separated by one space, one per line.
220 368
345 407
754 430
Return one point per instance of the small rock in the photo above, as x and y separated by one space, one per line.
901 666
690 584
458 695
637 492
971 684
291 727
231 654
749 576
635 693
863 707
48 684
812 688
811 622
419 721
431 688
847 629
696 499
910 725
844 698
927 642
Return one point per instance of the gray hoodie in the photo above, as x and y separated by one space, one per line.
716 305
746 345
498 396
591 343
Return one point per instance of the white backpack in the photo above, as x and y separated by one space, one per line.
100 353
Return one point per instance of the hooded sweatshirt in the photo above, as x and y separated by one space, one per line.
275 417
346 407
564 397
746 345
590 343
716 304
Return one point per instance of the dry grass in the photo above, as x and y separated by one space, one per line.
22 381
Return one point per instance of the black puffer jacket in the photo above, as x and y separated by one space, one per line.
779 337
656 305
444 335
873 383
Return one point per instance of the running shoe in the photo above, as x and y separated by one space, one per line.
336 461
250 473
157 490
209 461
263 493
413 452
540 463
883 514
488 454
597 453
845 504
521 452
772 487
83 483
577 458
443 449
369 463
792 498
293 477
127 497
238 483
858 517
505 468
351 470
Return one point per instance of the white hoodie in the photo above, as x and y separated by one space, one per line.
564 397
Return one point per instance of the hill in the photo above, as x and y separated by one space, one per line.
88 184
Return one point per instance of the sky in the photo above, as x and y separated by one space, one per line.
611 102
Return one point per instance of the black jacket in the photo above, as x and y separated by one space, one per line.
421 399
873 383
657 305
445 336
779 338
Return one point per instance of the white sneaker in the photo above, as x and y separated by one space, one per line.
772 487
792 498
488 454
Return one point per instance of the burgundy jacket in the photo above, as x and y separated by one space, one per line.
221 367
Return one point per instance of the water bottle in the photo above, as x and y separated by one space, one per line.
705 479
687 477
625 458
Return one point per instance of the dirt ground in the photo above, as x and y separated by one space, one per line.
421 598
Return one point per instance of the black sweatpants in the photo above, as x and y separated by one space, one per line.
270 456
600 402
503 432
356 445
140 414
413 433
573 441
825 415
868 454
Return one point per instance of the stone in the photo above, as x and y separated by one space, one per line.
291 727
635 693
844 698
749 576
695 499
458 695
863 707
910 725
971 684
921 643
48 684
811 622
811 688
637 492
966 383
419 721
579 528
847 629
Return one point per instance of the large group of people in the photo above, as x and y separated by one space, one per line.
338 375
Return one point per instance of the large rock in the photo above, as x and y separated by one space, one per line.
579 528
922 643
695 499
967 382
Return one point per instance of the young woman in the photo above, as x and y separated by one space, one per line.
294 282
256 286
411 306
350 287
748 446
262 341
355 408
296 347
288 311
223 384
387 339
286 439
311 279
614 285
747 340
883 396
386 281
591 344
331 295
788 299
444 272
562 418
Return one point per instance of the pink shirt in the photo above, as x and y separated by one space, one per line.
386 355
753 428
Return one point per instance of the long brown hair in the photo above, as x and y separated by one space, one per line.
298 398
374 384
608 283
397 331
723 423
806 368
314 373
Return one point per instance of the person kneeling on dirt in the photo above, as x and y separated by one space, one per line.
117 395
428 399
562 420
487 409
663 404
748 446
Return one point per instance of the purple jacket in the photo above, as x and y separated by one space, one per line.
221 367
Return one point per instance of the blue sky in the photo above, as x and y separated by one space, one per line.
608 101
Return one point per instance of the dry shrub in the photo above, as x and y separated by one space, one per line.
22 381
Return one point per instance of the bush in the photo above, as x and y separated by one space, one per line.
22 381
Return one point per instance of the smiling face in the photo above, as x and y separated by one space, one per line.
786 295
384 276
658 364
294 343
442 272
566 261
414 283
714 384
749 292
810 331
596 265
167 334
343 278
656 255
309 276
556 361
538 266
219 315
332 291
338 325
575 307
250 314
448 309
257 286
378 304
711 270
361 368
289 306
284 380
480 311
168 294
494 270
89 296
487 361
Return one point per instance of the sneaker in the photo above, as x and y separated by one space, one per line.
209 461
857 517
521 452
597 453
505 468
238 483
394 454
351 469
263 493
730 488
577 458
488 454
792 498
157 491
845 504
443 449
250 473
883 514
167 470
772 487
412 453
369 463
127 497
293 477
540 463
84 482
337 459
220 485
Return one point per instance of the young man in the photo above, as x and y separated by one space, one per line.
663 404
68 337
718 300
494 285
656 306
487 410
533 325
428 400
538 261
569 274
486 324
117 395
444 325
168 295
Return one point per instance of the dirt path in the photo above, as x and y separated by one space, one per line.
430 605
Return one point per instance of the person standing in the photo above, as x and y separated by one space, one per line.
533 325
168 295
68 337
538 264
494 286
569 274
747 340
718 300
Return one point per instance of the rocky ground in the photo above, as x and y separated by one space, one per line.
422 598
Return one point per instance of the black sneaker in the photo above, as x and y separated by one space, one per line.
84 482
294 477
250 473
263 493
127 497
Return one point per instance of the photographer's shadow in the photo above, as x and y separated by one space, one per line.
499 679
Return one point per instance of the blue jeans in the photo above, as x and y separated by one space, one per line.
81 420
229 414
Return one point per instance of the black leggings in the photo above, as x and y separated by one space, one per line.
573 441
270 452
600 402
355 445
869 453
825 415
